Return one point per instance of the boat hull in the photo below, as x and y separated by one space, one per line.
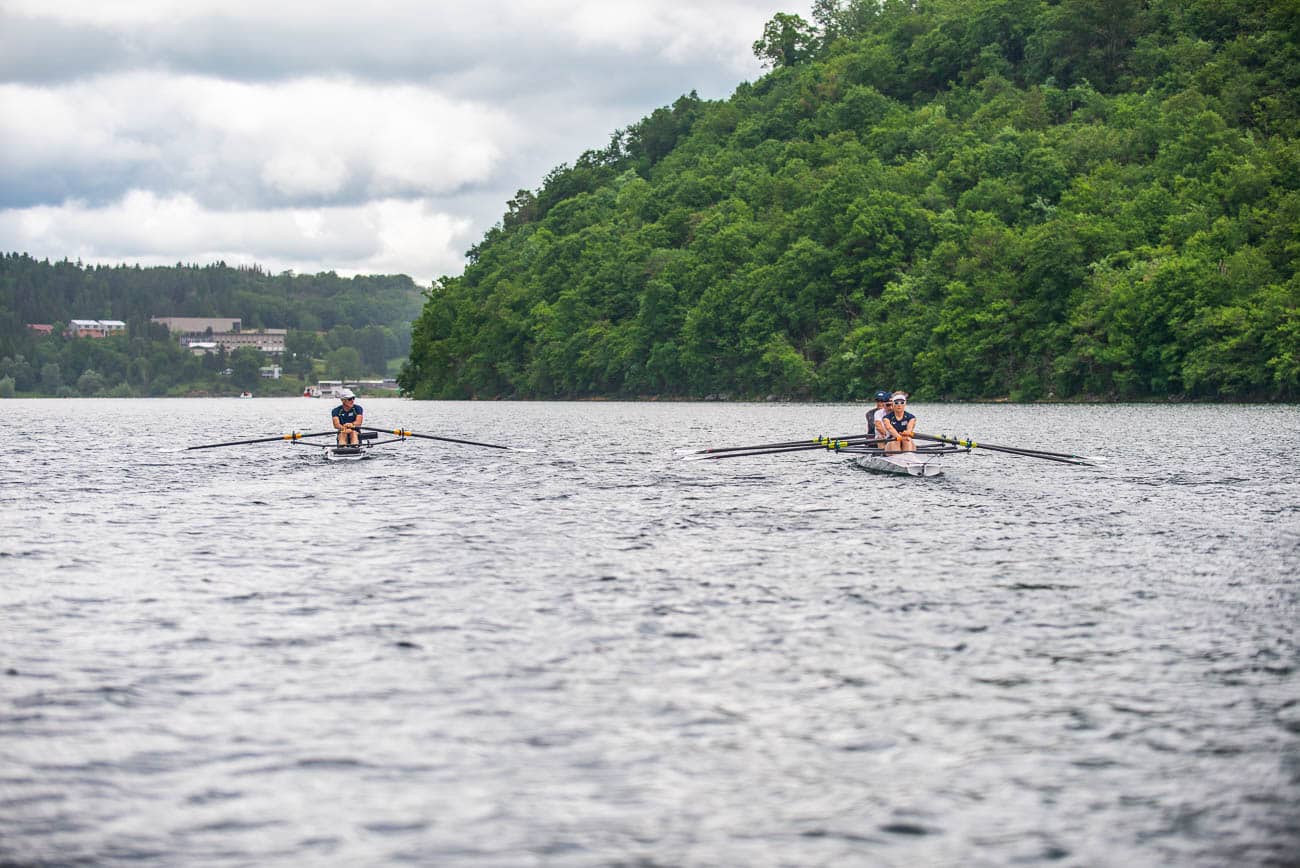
904 463
345 453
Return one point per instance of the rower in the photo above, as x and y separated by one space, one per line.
899 425
876 416
348 417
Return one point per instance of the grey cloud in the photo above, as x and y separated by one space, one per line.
561 95
36 51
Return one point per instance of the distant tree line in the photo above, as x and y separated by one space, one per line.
337 327
964 198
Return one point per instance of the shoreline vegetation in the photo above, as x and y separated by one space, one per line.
1166 400
967 200
336 328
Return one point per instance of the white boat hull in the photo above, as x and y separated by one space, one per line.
345 453
906 463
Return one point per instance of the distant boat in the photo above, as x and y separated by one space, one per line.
311 392
245 394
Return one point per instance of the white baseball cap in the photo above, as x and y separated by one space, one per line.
346 393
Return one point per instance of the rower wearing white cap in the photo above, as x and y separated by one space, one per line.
899 425
348 417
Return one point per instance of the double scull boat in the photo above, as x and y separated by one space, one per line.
925 461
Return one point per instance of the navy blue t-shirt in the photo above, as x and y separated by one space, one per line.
345 416
899 425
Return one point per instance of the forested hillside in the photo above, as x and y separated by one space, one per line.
962 198
338 327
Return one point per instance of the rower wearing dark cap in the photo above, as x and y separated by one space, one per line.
876 416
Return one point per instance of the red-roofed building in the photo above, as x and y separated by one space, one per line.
41 328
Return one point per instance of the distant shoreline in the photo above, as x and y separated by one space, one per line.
682 400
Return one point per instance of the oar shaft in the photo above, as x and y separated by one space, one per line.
402 432
1012 450
832 445
812 444
291 436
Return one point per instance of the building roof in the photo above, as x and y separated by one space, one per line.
198 323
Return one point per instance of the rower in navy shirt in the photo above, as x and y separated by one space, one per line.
899 425
347 418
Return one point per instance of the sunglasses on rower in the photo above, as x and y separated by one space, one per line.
900 400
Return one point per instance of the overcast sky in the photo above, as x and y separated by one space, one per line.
363 137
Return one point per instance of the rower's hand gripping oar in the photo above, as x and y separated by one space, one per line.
291 436
402 432
1010 450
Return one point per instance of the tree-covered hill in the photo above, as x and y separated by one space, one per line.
337 327
962 198
33 290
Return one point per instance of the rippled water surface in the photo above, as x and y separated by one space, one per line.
599 654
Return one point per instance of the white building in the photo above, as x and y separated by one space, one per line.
94 328
224 332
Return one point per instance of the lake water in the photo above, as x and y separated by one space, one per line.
598 654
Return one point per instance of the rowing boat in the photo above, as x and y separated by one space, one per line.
909 463
346 453
368 438
866 452
924 461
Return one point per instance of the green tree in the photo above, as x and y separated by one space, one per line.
90 383
343 363
51 377
787 40
245 365
17 367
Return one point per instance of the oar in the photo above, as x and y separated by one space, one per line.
1011 450
834 445
1024 449
402 432
808 444
293 436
